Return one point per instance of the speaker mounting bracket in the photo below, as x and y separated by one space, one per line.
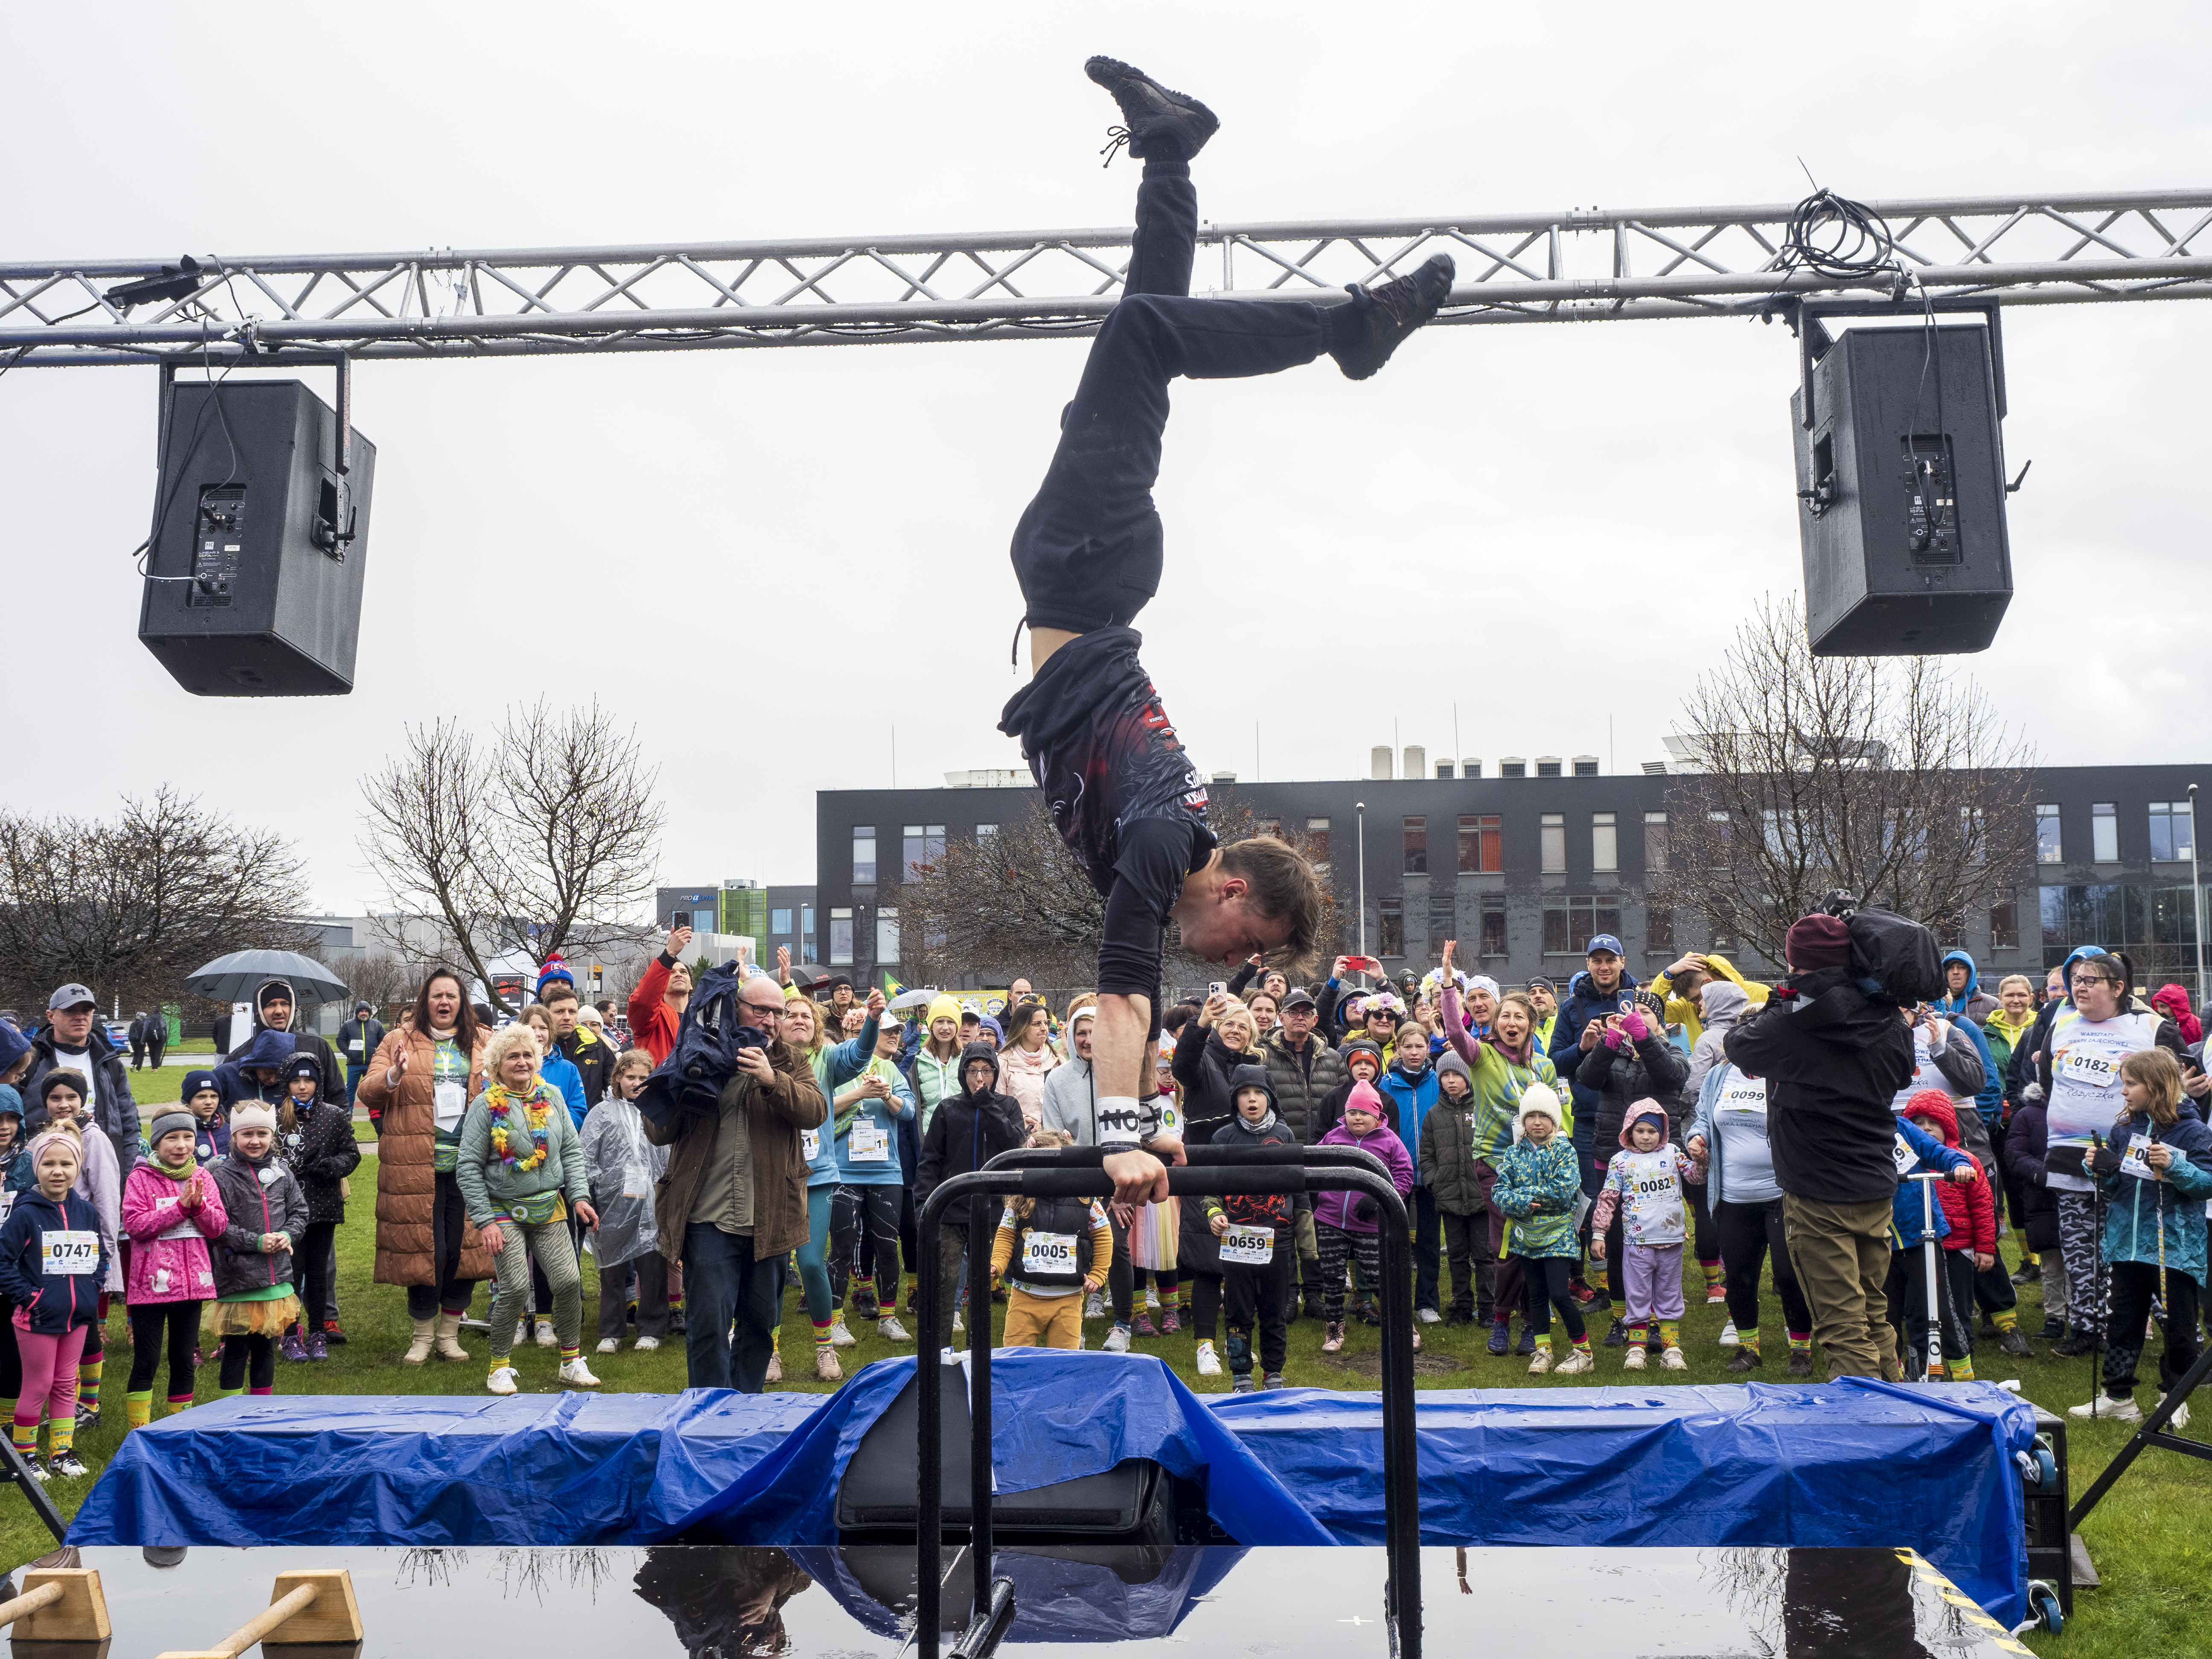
1805 318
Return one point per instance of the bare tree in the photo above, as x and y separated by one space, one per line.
382 979
1891 777
1017 902
130 906
544 843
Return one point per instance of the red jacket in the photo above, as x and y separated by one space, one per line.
652 1024
1968 1206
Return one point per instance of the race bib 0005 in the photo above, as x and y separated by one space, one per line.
1049 1253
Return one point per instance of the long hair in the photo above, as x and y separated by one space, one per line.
1018 1022
465 1019
2159 1073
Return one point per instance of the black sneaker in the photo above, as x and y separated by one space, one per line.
1801 1362
1390 312
2030 1274
2076 1345
1527 1345
1150 111
1459 1316
2053 1329
1746 1359
1617 1336
2015 1342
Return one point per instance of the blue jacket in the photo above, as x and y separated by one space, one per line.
59 1300
837 1065
270 1051
558 1070
1907 1209
1413 1100
1584 1004
2142 1216
1989 1099
891 1117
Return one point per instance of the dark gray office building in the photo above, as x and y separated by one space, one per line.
1523 870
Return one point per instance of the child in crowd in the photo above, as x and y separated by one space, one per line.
99 1183
15 1172
170 1209
265 1214
1348 1223
622 1168
865 1116
54 1259
1449 1164
16 1176
1965 1224
1257 1239
1047 1237
1539 1182
315 1141
1646 1182
2156 1173
203 1097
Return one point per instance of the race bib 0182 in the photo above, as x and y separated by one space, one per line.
2096 1070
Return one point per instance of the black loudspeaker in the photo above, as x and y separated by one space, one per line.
254 575
1901 490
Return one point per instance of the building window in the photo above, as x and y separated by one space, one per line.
925 846
1659 929
1417 846
1553 837
887 940
863 853
2104 832
841 938
1393 912
1571 922
1604 842
2049 848
806 933
2004 918
1444 919
779 921
1547 766
983 830
1482 847
1654 840
1585 766
1317 844
1724 839
2172 832
1512 767
1493 924
2155 925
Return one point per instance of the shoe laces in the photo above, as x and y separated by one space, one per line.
1116 137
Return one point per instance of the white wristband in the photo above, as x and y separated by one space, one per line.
1119 1121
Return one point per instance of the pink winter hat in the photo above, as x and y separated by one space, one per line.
1364 1099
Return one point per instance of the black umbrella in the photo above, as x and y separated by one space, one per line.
237 977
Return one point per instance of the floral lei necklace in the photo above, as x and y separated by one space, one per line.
537 1109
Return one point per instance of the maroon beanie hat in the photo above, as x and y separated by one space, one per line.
1818 941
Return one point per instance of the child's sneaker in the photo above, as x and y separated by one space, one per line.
1143 1326
1801 1362
839 1336
1673 1360
1094 1306
774 1373
291 1347
1581 1292
1728 1338
545 1337
1527 1345
1169 1323
502 1380
1633 1360
577 1375
316 1348
1618 1334
332 1334
1117 1341
1542 1362
66 1467
1209 1364
959 1321
88 1417
522 1332
826 1368
611 1345
37 1471
1716 1296
865 1305
647 1343
1578 1360
2107 1410
890 1330
1333 1342
1427 1315
1244 1384
1151 1298
1500 1338
1275 1380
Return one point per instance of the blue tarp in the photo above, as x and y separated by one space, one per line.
569 1468
1850 1463
1844 1463
1054 1415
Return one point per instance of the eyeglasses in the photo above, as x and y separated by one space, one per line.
2083 982
771 1009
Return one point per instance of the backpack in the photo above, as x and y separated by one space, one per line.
706 1052
1897 954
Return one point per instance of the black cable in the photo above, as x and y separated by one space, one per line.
1838 238
176 481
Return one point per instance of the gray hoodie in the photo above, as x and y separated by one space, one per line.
1722 1003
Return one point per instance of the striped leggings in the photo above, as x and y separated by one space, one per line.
1336 1245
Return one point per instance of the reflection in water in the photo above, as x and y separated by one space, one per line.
725 1603
519 1571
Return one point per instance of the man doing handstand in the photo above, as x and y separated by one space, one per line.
1123 793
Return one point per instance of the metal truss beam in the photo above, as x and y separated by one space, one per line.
1582 265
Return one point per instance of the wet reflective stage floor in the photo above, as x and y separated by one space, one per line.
723 1603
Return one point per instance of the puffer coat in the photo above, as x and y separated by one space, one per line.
406 1181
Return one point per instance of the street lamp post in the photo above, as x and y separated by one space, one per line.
2196 894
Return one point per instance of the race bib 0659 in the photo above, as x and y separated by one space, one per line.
1250 1247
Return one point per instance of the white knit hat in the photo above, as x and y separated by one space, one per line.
1538 1098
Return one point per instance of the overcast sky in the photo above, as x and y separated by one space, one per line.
1554 527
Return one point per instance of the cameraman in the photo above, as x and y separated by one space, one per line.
1833 1057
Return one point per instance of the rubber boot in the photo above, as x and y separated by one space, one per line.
449 1335
419 1349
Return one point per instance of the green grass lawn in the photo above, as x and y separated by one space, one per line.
2149 1537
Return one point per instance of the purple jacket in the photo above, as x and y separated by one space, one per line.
1340 1210
168 1247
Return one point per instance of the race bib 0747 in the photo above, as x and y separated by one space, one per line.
71 1254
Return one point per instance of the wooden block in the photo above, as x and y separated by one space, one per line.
332 1616
80 1616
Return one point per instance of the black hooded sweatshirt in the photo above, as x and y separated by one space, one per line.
1833 1058
969 1129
